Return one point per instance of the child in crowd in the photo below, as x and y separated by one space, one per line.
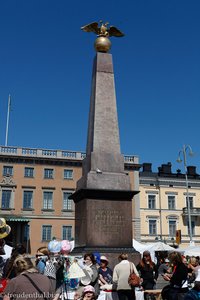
88 293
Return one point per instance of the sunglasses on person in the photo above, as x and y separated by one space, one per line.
39 255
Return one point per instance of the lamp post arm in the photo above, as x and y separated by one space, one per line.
185 158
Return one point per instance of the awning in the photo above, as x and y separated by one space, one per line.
17 219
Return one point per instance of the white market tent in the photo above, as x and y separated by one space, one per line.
157 246
192 251
160 246
140 247
152 248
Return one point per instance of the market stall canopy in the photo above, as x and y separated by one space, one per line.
157 246
160 246
141 247
192 251
152 248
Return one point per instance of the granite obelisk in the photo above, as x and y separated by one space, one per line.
103 198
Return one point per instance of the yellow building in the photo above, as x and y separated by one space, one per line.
35 185
163 205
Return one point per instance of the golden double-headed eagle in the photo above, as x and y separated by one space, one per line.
103 29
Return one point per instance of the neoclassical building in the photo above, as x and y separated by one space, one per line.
35 185
163 205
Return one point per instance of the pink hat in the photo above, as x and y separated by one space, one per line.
88 288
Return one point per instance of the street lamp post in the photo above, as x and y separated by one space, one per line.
183 151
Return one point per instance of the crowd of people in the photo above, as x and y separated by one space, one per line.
53 273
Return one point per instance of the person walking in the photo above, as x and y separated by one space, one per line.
121 273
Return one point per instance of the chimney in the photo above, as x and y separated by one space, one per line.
147 167
191 170
165 168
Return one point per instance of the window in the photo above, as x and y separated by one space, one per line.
6 199
67 233
67 203
171 202
7 171
46 232
28 172
48 173
152 227
172 228
152 201
28 199
190 201
48 200
68 174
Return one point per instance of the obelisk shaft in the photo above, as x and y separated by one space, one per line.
103 134
104 165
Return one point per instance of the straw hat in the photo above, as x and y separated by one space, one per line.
4 228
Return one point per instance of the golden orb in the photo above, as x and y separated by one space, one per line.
102 44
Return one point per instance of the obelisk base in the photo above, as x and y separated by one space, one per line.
104 223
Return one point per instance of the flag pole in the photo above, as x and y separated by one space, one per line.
7 122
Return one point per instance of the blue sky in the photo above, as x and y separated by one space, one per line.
46 66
